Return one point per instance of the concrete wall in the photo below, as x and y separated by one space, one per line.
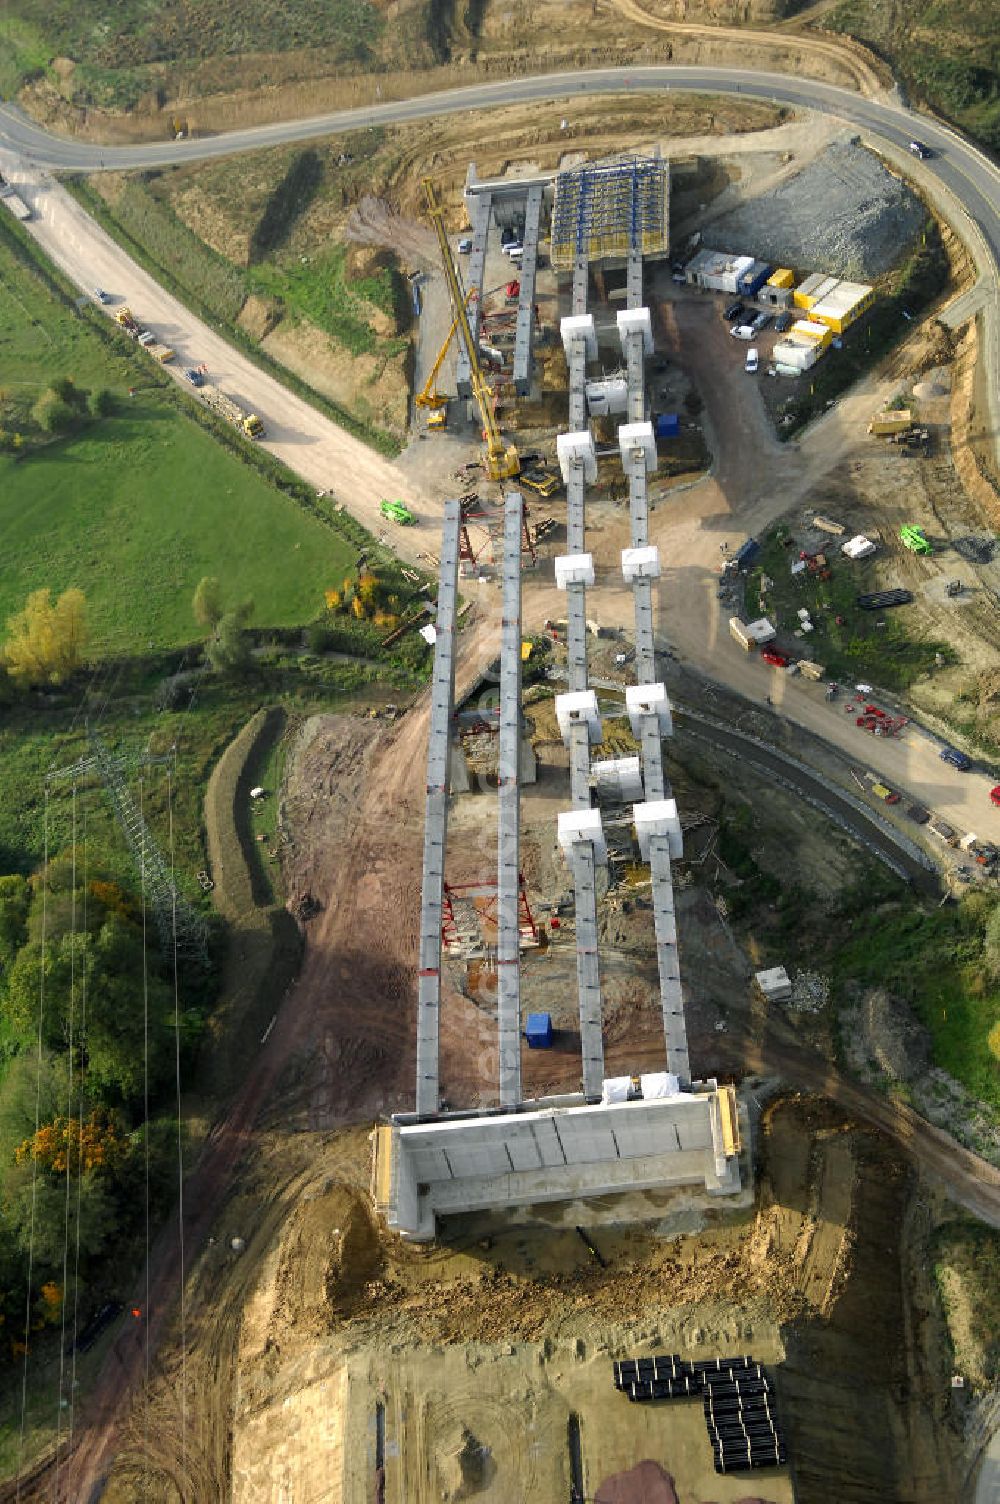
552 1154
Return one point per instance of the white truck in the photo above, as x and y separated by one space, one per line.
14 203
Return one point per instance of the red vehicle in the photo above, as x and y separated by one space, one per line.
995 795
776 659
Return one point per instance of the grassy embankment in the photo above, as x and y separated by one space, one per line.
354 312
127 52
846 640
133 510
946 52
874 933
966 1261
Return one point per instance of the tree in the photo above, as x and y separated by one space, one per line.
47 641
53 414
228 645
207 603
991 944
102 403
15 900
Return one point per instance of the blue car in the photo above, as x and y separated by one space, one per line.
195 377
957 759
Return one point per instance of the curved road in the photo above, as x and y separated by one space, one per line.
965 170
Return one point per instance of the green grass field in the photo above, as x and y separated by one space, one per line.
138 506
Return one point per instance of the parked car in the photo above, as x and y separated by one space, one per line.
957 759
195 377
761 322
995 796
465 245
100 296
782 322
742 331
733 311
774 658
679 278
752 361
920 150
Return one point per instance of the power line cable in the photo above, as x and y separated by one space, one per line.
145 1121
34 1156
82 1038
180 1146
69 1151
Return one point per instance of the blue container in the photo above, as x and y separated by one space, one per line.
746 555
538 1031
668 426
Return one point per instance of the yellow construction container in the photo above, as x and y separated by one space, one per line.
527 649
819 334
781 278
841 305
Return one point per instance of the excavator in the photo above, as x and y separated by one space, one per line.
500 460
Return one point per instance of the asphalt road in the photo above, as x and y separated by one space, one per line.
958 166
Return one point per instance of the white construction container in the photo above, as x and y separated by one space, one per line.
858 547
607 396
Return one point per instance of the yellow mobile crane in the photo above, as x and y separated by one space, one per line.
429 396
500 460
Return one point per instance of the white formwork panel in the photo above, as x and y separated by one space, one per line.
632 320
637 437
643 700
571 709
575 451
584 827
576 327
659 818
574 569
641 563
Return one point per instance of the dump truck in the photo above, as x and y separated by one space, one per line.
13 201
884 424
247 423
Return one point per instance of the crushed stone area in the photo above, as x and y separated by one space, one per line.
844 214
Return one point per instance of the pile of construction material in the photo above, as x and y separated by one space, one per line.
737 1395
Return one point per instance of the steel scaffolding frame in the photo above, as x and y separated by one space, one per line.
611 209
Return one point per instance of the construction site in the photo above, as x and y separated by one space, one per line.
548 1179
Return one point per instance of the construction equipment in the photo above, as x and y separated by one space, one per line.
430 396
127 320
248 423
953 587
913 538
500 460
396 511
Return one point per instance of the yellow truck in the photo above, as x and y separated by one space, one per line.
884 425
248 423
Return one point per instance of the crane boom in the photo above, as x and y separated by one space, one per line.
501 459
430 396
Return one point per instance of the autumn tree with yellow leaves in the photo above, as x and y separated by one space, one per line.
47 639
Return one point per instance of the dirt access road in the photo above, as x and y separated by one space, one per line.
310 444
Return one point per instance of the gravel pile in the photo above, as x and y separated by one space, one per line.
844 214
810 992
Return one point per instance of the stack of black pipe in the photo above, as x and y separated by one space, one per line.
738 1398
739 1415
